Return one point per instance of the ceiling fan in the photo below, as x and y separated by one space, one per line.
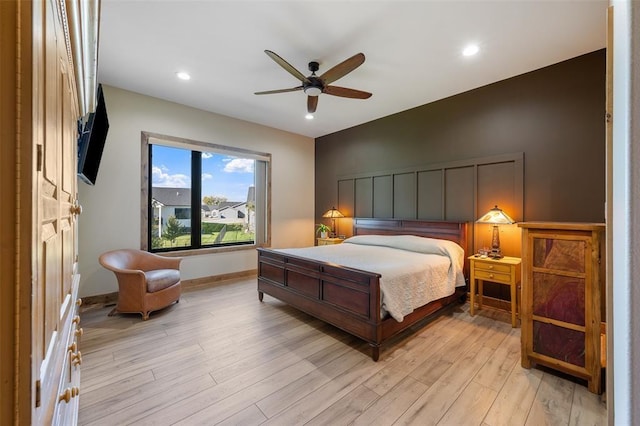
314 85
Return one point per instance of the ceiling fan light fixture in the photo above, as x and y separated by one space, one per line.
182 75
313 86
309 116
312 91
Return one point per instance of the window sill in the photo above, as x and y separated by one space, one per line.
207 250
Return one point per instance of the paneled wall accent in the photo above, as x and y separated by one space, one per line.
553 115
456 191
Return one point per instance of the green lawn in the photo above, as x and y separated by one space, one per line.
229 237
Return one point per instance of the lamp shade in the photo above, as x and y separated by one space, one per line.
496 216
333 213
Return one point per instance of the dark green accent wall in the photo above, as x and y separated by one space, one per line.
554 115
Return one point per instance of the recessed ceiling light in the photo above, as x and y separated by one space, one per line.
309 116
470 50
183 75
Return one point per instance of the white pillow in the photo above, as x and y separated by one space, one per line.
413 243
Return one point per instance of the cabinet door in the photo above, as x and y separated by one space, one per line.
560 268
53 299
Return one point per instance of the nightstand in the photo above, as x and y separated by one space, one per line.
329 241
502 271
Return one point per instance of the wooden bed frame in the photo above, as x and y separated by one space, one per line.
350 298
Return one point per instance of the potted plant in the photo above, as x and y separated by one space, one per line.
323 230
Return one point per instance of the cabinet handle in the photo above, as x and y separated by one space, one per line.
79 302
76 320
65 396
72 347
79 332
76 209
76 358
68 394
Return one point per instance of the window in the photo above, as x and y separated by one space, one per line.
202 196
182 213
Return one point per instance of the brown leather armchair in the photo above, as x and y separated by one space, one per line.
146 282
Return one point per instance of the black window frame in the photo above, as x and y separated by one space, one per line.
262 190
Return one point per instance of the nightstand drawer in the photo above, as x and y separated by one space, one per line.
492 267
329 241
492 276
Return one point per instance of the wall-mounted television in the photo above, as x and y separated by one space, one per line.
91 141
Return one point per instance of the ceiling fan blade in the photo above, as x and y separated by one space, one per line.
346 93
270 92
312 104
343 68
287 66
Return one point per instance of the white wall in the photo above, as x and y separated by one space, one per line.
626 211
111 208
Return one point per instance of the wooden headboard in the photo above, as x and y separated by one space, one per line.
452 231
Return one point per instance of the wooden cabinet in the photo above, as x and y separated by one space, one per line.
48 53
561 297
329 241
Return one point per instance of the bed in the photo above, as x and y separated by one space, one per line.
351 298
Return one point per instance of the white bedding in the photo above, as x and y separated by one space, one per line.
414 270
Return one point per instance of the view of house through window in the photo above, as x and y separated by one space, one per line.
201 198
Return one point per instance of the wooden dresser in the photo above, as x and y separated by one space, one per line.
561 297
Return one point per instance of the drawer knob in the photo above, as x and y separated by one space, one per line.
76 358
79 332
490 275
490 266
68 394
65 396
75 320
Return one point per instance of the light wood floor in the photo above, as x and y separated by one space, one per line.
222 357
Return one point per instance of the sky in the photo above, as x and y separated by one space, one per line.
222 175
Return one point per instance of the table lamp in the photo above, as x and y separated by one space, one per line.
495 217
333 213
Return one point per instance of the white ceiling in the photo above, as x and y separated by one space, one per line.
412 48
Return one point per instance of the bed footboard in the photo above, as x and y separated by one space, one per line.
346 298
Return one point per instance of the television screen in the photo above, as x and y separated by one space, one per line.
91 141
